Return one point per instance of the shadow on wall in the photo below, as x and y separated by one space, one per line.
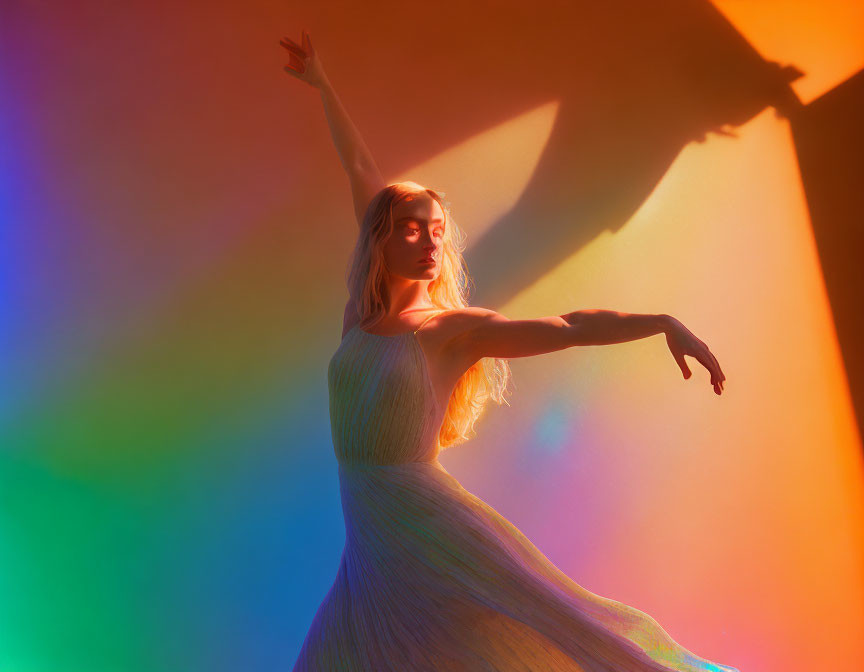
829 140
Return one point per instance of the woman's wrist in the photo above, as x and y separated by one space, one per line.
324 83
667 322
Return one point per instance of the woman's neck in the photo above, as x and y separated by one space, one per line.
407 296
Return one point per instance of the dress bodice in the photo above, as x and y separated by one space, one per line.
383 408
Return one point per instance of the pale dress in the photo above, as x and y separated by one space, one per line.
433 578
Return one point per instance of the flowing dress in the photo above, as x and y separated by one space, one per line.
433 578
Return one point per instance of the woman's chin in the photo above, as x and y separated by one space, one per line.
424 274
429 273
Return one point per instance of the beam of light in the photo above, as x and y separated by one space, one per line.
484 175
821 37
756 494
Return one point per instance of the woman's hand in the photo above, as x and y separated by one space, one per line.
304 62
682 342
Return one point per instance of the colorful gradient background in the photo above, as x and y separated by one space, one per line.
176 227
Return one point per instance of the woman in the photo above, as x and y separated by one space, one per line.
431 577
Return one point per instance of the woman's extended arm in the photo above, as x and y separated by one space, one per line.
485 333
363 173
366 179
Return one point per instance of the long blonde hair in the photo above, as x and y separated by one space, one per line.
367 284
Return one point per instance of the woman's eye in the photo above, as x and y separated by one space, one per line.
411 232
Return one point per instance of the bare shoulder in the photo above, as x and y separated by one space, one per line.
448 339
467 318
457 325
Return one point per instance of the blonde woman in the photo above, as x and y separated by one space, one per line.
431 577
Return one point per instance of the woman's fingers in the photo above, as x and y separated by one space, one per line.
686 343
293 71
682 364
304 49
711 362
717 365
721 377
717 376
297 57
707 359
293 48
296 63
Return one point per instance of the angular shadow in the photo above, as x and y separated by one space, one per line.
829 141
679 72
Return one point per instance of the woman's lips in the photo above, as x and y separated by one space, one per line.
427 260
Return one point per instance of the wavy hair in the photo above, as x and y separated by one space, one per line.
367 284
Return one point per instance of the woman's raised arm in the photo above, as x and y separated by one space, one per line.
363 173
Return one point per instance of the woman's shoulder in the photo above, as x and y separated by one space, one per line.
472 314
457 321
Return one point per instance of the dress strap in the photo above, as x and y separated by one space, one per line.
435 314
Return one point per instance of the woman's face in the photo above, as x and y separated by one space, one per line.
418 234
